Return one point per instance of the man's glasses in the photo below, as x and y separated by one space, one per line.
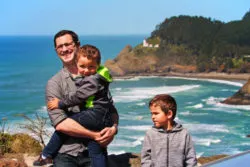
67 45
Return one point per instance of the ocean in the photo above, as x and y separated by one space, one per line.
27 62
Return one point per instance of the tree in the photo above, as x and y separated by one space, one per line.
246 17
37 126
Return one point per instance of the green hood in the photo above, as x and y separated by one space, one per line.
104 72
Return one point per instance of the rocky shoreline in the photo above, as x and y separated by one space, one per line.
121 160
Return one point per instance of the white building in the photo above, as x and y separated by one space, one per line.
146 44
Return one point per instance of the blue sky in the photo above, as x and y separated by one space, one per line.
105 17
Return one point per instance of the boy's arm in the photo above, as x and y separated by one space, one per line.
59 118
89 87
146 152
190 158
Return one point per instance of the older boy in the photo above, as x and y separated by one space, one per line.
167 143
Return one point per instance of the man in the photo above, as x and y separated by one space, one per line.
73 152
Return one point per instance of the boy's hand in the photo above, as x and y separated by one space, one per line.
53 103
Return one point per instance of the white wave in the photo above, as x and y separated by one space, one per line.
137 78
206 128
141 138
225 82
212 80
136 128
117 89
139 93
196 106
244 144
138 117
110 152
205 142
129 117
127 79
125 143
42 109
191 113
185 113
217 102
141 104
213 100
231 151
199 154
242 107
220 109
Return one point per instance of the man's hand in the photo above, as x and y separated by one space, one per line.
107 135
53 103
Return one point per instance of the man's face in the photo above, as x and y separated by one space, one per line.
86 66
66 48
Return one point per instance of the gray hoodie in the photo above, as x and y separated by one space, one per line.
168 148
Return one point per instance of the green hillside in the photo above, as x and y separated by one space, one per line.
210 45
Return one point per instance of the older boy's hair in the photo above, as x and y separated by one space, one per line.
64 32
89 51
165 102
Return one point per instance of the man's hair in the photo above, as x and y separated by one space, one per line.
165 102
89 51
64 32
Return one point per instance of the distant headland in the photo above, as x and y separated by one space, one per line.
195 47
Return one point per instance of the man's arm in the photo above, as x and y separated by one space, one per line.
73 128
59 117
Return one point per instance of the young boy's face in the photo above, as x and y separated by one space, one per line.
86 66
159 118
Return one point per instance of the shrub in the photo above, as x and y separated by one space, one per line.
23 143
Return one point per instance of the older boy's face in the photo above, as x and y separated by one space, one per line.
159 118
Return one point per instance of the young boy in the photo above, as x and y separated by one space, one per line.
167 143
94 95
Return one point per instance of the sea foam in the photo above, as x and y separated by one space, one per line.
212 80
206 128
217 102
206 141
139 93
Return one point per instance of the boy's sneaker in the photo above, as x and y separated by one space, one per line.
40 161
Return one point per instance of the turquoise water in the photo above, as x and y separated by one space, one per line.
28 62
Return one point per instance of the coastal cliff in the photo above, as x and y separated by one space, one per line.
129 63
191 47
241 97
188 44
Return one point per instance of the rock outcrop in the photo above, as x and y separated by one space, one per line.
128 62
241 97
12 160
